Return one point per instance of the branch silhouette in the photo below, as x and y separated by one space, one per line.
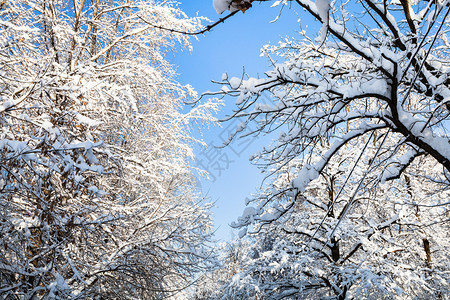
206 29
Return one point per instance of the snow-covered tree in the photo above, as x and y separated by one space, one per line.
342 241
97 199
231 260
382 66
359 174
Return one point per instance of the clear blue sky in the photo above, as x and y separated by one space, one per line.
229 48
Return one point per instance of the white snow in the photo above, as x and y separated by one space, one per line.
323 8
221 5
88 121
224 76
232 5
235 82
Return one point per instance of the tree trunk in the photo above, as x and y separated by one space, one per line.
426 247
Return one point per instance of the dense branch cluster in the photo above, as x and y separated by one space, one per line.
358 177
97 199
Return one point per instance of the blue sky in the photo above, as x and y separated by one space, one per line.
231 47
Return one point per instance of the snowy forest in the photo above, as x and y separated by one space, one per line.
99 197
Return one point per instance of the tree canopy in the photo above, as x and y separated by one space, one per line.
356 197
97 198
